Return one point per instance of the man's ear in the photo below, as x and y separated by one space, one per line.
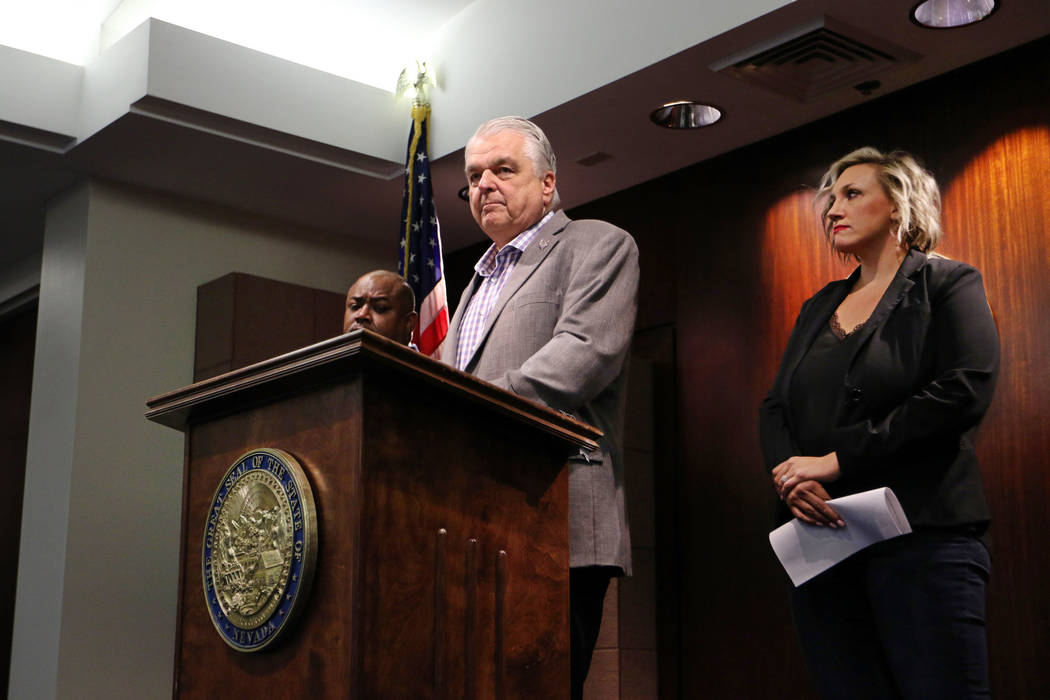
548 180
410 321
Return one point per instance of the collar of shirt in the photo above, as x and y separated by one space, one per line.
492 257
494 268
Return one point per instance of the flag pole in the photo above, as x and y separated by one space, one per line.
420 260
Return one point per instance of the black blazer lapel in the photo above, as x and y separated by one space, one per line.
891 298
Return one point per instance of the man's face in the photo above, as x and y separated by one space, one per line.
375 303
507 195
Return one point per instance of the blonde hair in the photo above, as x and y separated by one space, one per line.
911 188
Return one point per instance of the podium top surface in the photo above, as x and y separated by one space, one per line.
342 356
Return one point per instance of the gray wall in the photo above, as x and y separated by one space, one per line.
96 601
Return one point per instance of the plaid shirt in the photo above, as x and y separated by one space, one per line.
495 268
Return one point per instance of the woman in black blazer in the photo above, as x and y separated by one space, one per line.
884 380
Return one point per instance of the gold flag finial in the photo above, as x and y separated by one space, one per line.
419 87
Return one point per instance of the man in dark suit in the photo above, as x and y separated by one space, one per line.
549 315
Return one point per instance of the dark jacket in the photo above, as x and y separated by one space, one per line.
919 382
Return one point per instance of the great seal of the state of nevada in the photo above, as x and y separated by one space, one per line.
260 545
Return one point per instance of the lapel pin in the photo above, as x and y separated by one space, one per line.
544 243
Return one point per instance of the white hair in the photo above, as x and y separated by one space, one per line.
537 147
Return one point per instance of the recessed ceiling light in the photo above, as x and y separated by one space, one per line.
685 114
946 14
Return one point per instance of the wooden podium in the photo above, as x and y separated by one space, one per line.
442 505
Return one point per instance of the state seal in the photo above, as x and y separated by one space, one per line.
260 545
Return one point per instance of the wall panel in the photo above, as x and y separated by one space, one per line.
737 235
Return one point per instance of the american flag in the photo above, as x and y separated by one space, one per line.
420 262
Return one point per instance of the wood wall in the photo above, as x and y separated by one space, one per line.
243 319
729 252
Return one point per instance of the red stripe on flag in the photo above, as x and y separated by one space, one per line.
431 336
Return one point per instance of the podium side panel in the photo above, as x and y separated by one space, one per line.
314 657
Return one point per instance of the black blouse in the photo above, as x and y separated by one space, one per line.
818 391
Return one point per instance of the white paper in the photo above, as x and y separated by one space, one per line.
806 550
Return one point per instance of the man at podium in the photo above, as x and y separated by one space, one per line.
549 315
383 302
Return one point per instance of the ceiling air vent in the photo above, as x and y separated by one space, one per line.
814 60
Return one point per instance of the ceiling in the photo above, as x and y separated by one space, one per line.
607 126
385 33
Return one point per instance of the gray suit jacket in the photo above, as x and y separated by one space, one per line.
559 334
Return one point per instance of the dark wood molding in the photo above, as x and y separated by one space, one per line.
344 355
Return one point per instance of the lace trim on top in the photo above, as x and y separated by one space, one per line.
839 331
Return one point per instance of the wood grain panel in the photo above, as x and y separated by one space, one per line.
243 319
328 449
479 610
796 263
745 253
507 631
997 213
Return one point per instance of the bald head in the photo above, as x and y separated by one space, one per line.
381 301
